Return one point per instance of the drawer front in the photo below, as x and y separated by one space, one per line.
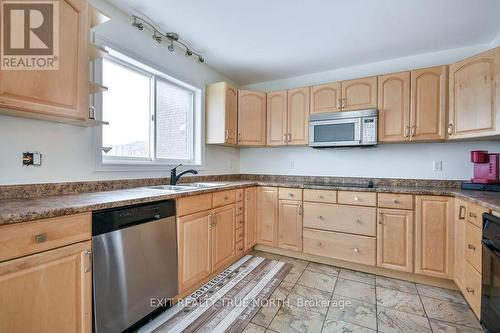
352 248
472 288
320 196
239 248
17 240
239 234
194 204
224 198
240 222
357 198
475 214
331 217
239 207
396 201
240 194
473 247
290 193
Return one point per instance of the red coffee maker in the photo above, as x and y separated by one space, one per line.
486 167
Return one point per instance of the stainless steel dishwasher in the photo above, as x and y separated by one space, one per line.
135 264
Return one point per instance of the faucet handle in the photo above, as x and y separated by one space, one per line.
175 167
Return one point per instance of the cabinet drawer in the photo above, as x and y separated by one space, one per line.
239 248
17 240
194 204
473 245
239 234
397 201
224 198
472 288
239 207
240 194
359 249
331 217
475 214
357 198
240 222
320 196
290 193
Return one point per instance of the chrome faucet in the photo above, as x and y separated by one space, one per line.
174 177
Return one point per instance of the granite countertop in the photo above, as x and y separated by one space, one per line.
22 210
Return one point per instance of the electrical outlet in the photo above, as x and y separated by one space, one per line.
34 159
437 166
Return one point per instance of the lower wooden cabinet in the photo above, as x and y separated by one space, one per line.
290 225
459 246
222 228
434 236
395 239
250 217
472 288
267 216
47 292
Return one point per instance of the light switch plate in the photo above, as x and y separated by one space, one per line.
437 166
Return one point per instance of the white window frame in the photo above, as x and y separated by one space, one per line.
116 163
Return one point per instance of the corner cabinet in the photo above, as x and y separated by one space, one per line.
434 233
474 93
221 114
251 118
54 94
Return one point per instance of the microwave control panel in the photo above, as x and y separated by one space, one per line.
369 130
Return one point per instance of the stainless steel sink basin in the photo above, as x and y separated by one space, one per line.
173 188
206 185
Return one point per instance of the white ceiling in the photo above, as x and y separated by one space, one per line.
260 40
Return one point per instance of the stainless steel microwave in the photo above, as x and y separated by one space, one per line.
343 129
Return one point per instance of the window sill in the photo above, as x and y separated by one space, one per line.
140 167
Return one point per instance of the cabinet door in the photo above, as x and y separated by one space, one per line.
251 118
250 217
393 107
223 249
428 103
62 92
298 116
277 118
326 98
47 292
434 236
267 216
359 94
194 249
395 239
290 225
459 245
474 109
231 114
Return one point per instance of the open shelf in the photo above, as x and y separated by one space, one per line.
95 88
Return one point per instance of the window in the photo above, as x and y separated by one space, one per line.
151 115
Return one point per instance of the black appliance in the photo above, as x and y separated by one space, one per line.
490 300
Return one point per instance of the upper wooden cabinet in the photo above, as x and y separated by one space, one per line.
267 216
55 94
298 116
359 94
326 98
277 122
428 104
474 93
393 107
221 114
251 118
434 236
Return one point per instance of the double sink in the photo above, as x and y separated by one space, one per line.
186 187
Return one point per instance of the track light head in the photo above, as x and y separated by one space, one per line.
156 37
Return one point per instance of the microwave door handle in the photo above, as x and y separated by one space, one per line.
357 130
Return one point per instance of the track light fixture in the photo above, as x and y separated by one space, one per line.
171 37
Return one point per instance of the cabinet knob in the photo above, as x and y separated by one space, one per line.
356 199
396 201
355 249
450 129
473 215
320 217
290 195
40 238
359 221
321 197
319 243
240 249
471 247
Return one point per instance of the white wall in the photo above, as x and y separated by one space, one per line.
67 150
387 160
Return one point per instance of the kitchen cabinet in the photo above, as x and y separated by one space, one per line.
290 225
221 114
48 292
277 119
222 225
250 217
459 245
251 118
472 288
194 248
434 236
57 94
395 239
326 98
393 107
267 216
359 94
474 96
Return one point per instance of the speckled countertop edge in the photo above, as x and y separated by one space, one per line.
23 210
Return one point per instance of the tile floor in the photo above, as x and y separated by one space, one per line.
324 299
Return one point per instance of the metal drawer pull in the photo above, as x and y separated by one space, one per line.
240 249
319 243
471 247
40 238
87 253
473 215
396 201
320 217
290 194
355 250
461 212
470 290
